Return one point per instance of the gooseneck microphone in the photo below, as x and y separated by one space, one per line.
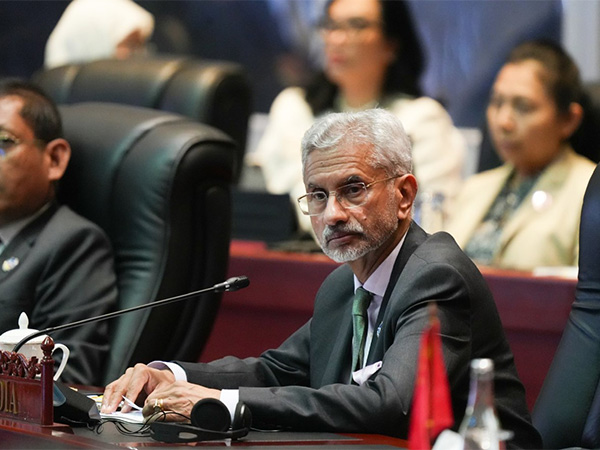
232 284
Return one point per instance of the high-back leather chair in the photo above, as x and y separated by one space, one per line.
567 411
215 93
159 185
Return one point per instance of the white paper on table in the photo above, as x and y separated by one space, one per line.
133 416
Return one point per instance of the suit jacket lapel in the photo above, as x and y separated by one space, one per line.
18 249
341 369
338 367
414 237
480 202
550 181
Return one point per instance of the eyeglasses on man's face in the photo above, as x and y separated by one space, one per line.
8 142
349 196
351 27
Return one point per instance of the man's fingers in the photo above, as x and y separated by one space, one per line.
129 385
136 380
112 396
140 377
179 397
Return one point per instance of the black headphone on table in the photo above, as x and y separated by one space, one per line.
210 421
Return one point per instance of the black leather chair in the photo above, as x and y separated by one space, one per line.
567 411
215 93
159 185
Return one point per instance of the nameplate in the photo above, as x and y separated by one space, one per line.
26 386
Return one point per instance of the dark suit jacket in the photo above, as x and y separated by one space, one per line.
303 384
65 273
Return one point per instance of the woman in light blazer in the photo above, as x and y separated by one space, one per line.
525 214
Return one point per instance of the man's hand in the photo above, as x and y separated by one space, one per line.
179 397
131 384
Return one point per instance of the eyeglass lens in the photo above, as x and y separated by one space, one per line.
354 25
349 196
6 143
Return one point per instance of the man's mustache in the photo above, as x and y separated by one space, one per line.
331 231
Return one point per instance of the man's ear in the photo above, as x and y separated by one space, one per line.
58 152
572 120
406 191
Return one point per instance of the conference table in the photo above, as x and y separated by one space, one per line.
19 435
283 284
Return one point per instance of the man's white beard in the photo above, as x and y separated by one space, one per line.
379 235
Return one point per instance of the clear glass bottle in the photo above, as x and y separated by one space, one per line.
480 427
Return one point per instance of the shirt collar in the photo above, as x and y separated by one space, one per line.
378 281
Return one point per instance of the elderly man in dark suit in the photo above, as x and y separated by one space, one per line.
360 192
56 266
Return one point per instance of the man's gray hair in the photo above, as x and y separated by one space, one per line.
377 128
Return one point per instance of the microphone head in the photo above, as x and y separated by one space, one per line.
236 283
232 284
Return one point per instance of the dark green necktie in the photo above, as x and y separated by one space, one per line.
360 325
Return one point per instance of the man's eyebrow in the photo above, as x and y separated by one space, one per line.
348 180
353 179
5 130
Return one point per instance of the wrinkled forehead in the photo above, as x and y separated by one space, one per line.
342 162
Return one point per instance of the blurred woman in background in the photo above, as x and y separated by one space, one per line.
372 59
525 214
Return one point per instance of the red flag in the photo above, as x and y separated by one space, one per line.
432 408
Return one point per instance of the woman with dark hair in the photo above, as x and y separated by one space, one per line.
372 59
525 213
